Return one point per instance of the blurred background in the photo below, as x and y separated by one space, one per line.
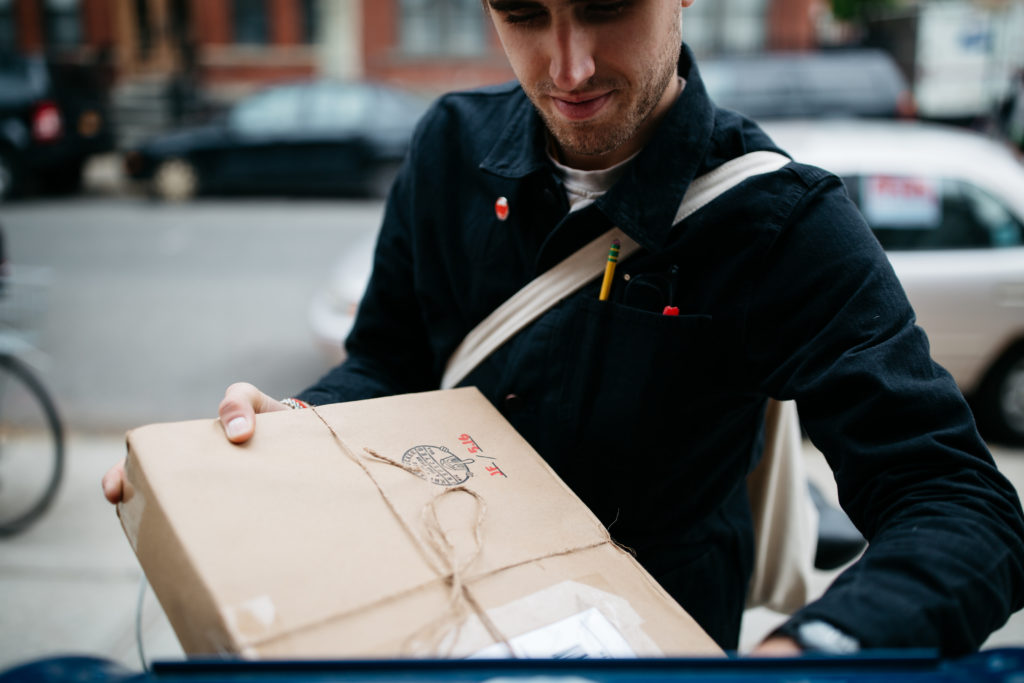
190 190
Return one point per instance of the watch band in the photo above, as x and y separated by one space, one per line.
294 403
815 636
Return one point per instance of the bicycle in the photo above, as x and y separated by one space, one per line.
31 432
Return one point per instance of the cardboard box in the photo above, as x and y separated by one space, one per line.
412 526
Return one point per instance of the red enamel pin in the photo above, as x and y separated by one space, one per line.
501 208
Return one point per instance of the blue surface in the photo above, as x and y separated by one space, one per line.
1003 665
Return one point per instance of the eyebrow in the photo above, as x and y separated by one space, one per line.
510 5
513 5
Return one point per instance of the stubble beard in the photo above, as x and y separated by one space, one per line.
589 138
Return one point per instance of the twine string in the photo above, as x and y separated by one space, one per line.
453 573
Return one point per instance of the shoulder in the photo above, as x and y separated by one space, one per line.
782 194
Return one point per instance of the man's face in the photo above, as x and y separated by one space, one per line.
600 72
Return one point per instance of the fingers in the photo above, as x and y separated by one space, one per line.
238 409
777 646
113 483
237 413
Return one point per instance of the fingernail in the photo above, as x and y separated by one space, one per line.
109 488
236 427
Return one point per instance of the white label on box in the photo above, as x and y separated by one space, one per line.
587 635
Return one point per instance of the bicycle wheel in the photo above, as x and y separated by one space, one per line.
31 447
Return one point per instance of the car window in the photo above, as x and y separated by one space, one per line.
397 109
273 111
757 90
339 107
850 86
14 90
19 81
910 213
1003 229
779 85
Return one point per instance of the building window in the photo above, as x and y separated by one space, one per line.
308 10
725 26
442 28
63 23
8 43
145 41
250 22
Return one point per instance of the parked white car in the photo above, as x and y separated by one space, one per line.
948 206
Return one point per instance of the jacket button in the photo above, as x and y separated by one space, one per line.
513 402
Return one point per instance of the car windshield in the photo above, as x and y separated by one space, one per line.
398 109
19 80
335 107
272 111
850 83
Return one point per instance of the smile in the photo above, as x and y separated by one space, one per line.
580 109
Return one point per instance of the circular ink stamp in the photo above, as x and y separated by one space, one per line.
437 465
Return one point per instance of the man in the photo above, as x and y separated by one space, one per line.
655 420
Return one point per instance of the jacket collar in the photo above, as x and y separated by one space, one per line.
520 149
644 201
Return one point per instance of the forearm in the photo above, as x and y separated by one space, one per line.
354 380
940 582
945 562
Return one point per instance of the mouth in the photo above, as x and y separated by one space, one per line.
581 107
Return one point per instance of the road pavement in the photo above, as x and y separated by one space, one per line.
153 309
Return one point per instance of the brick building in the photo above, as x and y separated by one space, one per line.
225 48
425 44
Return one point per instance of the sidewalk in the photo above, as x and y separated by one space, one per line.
70 584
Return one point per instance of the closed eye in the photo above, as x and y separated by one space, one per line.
518 11
604 11
526 12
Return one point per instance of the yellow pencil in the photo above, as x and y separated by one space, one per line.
609 271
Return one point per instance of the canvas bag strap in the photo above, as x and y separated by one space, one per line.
586 264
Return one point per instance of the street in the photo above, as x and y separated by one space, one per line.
152 311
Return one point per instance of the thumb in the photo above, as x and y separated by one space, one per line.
237 411
113 483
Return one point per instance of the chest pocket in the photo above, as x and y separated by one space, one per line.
632 368
627 377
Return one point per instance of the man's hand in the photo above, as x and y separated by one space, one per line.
113 483
777 646
237 412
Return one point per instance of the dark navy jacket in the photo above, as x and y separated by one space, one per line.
655 420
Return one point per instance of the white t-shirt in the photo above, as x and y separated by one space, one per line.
583 188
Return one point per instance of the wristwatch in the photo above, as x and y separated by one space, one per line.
819 637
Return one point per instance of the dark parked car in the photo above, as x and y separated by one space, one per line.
321 137
832 83
53 117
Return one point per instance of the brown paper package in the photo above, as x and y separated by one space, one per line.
420 525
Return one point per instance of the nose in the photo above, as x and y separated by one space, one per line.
572 59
